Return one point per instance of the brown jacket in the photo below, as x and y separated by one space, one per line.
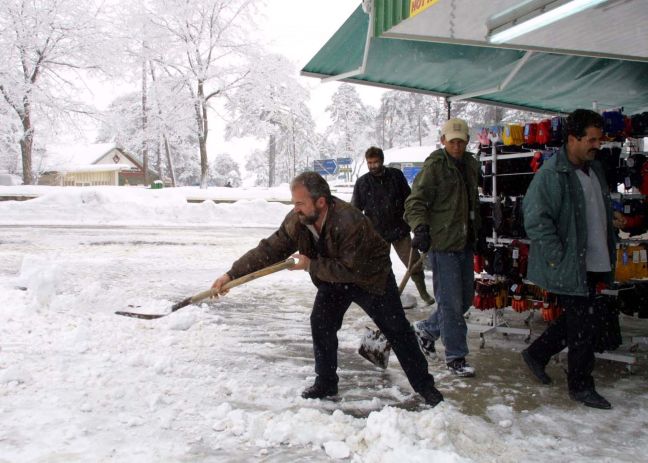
349 249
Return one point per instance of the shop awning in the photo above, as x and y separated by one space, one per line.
546 82
611 29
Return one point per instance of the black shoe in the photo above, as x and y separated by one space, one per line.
536 368
432 396
460 368
426 342
590 398
319 391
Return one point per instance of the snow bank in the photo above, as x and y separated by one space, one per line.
137 206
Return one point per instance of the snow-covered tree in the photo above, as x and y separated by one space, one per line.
478 115
271 104
170 135
206 49
224 170
406 118
45 45
351 130
257 164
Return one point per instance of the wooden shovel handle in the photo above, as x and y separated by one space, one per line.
288 263
408 272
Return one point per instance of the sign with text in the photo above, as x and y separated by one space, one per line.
325 166
416 6
344 161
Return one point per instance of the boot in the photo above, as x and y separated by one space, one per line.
319 390
419 281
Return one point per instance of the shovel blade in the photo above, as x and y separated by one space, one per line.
375 347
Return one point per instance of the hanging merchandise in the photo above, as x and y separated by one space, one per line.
606 313
557 127
613 124
514 174
519 301
639 125
484 140
536 161
609 157
513 134
530 132
543 134
631 262
550 308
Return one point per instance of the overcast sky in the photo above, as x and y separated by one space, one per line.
295 29
298 30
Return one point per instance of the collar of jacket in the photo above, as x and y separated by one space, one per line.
441 155
562 161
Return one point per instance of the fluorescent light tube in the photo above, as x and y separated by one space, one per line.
543 19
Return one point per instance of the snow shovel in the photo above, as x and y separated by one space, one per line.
289 263
374 346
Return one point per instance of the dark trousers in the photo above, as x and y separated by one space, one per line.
576 329
332 302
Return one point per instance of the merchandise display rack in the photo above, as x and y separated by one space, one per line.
497 322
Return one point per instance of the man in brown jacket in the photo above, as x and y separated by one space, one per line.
349 262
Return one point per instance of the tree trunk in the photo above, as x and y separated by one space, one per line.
165 140
271 160
202 134
144 126
26 145
167 150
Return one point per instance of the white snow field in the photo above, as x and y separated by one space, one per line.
221 381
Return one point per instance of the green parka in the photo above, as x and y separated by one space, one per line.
555 221
441 199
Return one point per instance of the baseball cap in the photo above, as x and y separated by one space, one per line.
455 128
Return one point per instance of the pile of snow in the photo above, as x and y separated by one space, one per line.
138 206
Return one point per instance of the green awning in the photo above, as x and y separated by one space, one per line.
389 13
547 82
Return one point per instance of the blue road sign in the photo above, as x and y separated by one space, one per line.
410 172
344 161
325 166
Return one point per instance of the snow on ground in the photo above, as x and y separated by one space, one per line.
221 381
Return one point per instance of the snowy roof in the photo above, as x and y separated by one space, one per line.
408 154
402 155
71 157
96 168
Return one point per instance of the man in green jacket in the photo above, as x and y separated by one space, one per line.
568 217
443 211
349 262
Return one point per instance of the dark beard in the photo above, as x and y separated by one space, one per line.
309 219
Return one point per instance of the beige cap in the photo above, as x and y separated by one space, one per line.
455 128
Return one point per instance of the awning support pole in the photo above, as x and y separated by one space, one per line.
501 86
361 69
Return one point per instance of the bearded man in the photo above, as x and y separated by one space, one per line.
347 261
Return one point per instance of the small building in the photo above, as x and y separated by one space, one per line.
90 165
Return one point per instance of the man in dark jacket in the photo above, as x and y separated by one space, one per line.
443 211
381 195
348 262
568 217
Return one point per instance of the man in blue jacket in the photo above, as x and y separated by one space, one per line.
568 217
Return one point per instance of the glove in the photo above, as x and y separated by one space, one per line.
422 240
